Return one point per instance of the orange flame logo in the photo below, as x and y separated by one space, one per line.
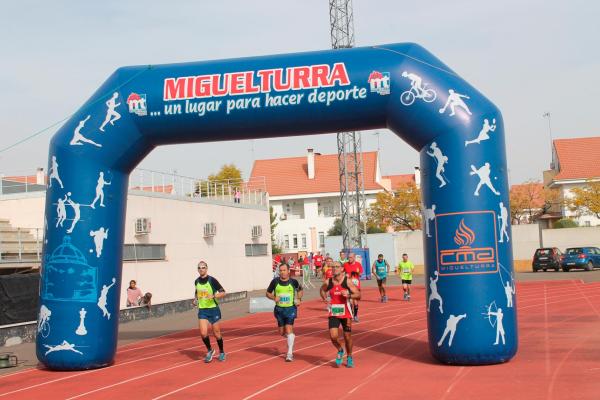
464 236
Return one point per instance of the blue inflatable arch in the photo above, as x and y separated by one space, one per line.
458 132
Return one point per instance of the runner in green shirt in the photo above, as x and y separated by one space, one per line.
405 270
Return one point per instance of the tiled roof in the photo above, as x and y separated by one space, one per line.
399 180
31 179
289 176
578 158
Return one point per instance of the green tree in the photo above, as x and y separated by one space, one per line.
336 229
565 223
275 247
400 210
223 182
586 200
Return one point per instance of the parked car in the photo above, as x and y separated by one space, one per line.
546 258
580 257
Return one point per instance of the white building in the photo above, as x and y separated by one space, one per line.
166 234
574 163
304 193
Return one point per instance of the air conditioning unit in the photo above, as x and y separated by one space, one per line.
256 231
283 217
210 229
143 226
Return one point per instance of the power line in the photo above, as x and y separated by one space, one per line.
101 98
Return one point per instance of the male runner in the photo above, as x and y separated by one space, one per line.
343 260
405 270
381 268
206 292
287 294
341 290
354 270
318 261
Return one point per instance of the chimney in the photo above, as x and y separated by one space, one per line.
40 177
418 177
310 157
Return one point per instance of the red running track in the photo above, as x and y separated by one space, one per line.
558 358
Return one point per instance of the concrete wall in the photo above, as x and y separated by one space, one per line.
178 223
525 240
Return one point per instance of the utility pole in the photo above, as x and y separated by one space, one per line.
352 194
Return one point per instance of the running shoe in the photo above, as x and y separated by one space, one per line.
385 299
408 298
289 357
209 356
382 299
338 359
356 319
222 357
349 362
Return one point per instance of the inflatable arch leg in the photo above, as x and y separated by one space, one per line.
459 133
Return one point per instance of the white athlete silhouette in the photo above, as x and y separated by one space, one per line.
99 237
81 331
451 324
503 220
415 82
440 159
484 178
61 211
483 133
78 137
499 327
102 301
54 173
44 317
75 207
434 293
509 290
63 346
429 215
455 100
111 114
100 191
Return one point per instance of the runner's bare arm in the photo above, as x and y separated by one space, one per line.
323 290
354 292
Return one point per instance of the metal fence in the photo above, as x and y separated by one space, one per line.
19 245
252 191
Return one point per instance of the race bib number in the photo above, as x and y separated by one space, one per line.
285 299
355 281
202 294
338 310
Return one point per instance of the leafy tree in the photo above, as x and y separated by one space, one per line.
565 223
275 247
531 199
400 210
224 182
586 200
336 229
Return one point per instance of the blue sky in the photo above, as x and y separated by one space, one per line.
527 57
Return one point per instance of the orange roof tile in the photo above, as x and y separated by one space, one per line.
578 158
289 176
31 179
398 180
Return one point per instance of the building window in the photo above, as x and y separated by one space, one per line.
294 210
286 241
295 241
303 237
142 252
322 240
326 209
256 249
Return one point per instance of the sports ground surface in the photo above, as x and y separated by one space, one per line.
558 358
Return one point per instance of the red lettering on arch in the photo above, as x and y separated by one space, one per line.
174 89
339 74
301 78
320 75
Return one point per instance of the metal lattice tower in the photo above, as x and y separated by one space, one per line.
352 194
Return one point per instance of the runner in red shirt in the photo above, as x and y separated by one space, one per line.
341 291
353 271
318 261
